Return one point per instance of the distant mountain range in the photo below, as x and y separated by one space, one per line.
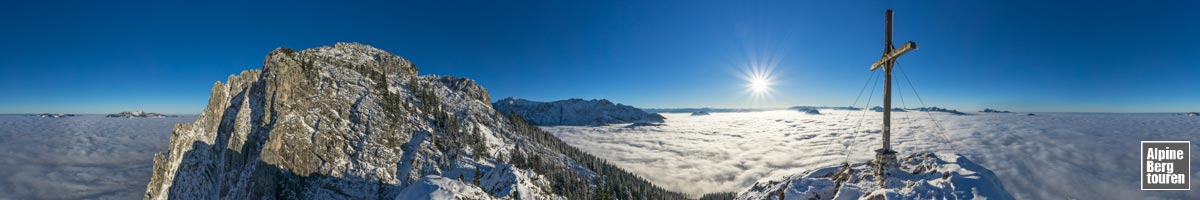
139 114
59 115
574 112
706 110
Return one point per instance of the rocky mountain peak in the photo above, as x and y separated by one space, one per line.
351 121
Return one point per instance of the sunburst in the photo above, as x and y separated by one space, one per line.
758 82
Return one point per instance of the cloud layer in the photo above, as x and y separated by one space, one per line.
88 157
1049 156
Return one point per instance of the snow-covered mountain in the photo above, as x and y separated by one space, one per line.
350 121
574 112
936 109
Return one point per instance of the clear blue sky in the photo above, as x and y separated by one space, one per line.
163 56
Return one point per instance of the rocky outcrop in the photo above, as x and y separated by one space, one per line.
350 121
575 112
918 176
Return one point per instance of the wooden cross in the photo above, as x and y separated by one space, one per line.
885 157
890 54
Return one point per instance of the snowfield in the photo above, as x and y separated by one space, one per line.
1047 156
84 157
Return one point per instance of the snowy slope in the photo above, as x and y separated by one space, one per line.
575 112
441 188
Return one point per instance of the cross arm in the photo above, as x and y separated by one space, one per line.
896 53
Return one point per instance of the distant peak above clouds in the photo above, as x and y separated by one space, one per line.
574 112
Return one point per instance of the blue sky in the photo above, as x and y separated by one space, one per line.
1076 56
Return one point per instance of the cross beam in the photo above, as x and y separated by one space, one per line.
895 53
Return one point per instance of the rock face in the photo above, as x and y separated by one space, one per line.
350 121
574 112
919 176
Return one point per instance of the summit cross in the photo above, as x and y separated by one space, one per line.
885 157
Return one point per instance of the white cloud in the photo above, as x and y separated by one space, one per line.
79 157
1049 156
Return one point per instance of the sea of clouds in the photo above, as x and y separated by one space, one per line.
1047 156
86 157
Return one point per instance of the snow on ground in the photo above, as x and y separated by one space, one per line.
917 176
435 187
1047 156
85 157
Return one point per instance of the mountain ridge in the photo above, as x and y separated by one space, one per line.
575 112
350 121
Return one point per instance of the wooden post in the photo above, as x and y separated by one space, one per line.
887 86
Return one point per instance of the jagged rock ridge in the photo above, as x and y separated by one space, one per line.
350 121
575 112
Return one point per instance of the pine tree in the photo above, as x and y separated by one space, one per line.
478 175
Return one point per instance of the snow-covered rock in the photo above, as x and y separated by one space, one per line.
574 112
919 176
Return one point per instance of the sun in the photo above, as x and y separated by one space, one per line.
760 85
758 82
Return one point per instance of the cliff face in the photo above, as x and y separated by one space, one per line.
347 121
